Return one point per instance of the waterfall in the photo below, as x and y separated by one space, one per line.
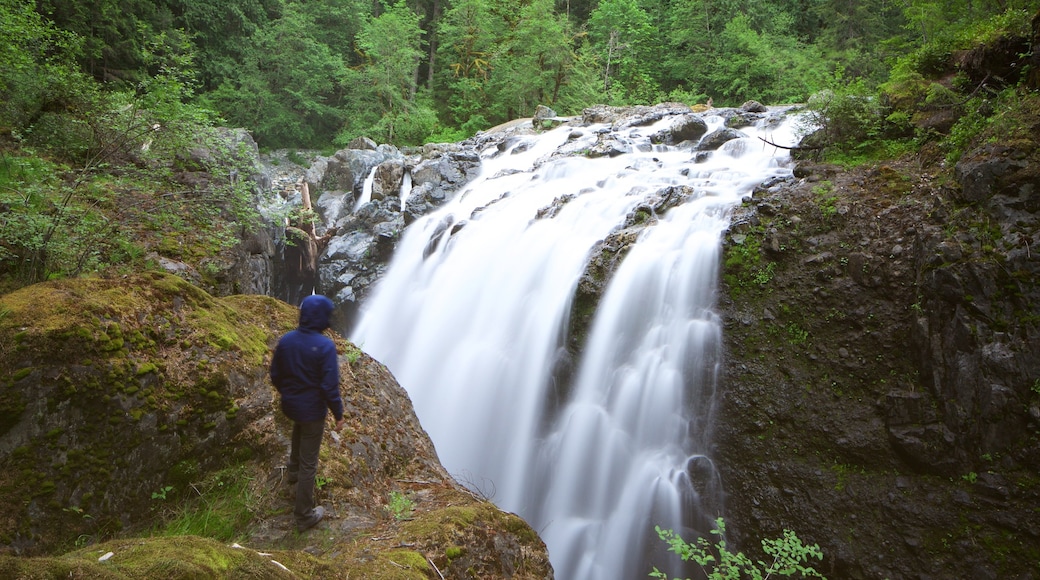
366 189
472 318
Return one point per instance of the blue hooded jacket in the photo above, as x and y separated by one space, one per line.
305 369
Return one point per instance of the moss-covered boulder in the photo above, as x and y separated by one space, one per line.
105 384
138 410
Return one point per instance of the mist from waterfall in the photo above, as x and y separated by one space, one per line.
472 319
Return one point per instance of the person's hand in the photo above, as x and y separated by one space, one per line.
339 424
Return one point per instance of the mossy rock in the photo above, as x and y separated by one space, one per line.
118 379
177 432
185 557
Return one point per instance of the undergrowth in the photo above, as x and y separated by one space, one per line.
220 506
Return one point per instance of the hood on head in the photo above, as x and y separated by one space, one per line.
315 311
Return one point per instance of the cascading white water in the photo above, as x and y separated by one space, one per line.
366 189
472 316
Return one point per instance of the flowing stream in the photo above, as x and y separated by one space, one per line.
472 319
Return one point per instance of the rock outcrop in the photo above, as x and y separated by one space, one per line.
127 401
881 393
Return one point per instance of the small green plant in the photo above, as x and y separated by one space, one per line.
161 494
790 556
400 506
826 199
842 471
1036 386
320 482
298 158
78 511
797 334
970 477
764 275
353 353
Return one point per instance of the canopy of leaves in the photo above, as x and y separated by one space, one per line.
313 73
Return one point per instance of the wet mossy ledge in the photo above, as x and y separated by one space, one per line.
136 418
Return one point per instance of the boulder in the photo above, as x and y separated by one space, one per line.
718 138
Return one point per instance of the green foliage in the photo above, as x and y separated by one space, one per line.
38 70
316 73
161 494
744 269
222 32
622 33
219 507
790 556
400 506
988 118
847 114
288 87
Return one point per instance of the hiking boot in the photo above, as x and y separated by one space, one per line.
316 515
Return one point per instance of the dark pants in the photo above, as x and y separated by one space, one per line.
303 464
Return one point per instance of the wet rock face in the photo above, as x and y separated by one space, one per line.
880 387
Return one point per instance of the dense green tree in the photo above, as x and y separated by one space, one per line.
467 36
114 33
391 44
288 88
771 67
336 23
534 62
300 72
221 31
37 66
623 37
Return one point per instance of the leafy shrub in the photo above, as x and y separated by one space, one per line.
790 556
846 115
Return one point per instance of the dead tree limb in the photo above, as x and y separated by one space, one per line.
791 148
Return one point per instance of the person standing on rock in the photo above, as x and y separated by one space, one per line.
305 370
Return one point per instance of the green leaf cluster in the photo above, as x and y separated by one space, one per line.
790 556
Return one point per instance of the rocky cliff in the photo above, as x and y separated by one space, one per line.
882 384
137 408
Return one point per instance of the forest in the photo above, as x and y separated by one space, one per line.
322 72
101 103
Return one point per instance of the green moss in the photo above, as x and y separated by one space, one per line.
21 373
395 565
145 368
112 345
409 559
744 268
175 558
520 528
45 488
